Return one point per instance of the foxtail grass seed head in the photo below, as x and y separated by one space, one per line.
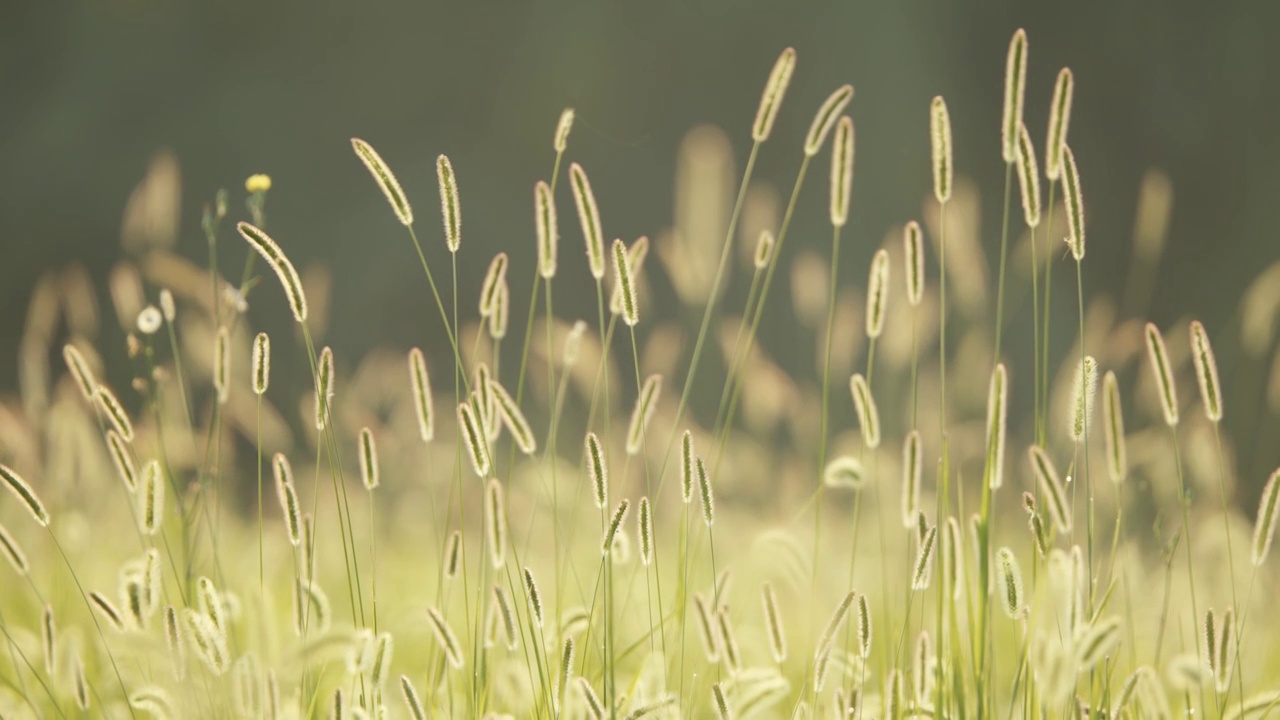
877 293
729 642
687 458
773 623
369 472
940 146
1084 388
913 250
597 470
495 511
12 552
1209 640
775 89
953 558
473 436
922 572
706 627
566 671
324 388
848 472
222 364
1113 417
997 416
412 702
209 642
122 458
573 344
544 215
80 371
445 637
1225 651
841 171
115 413
280 264
1206 372
288 498
646 403
1039 533
619 515
644 523
864 626
385 179
506 615
26 495
513 418
450 207
168 309
493 279
1028 178
1073 201
563 126
868 416
535 597
1264 528
826 118
1159 358
1015 87
149 320
893 700
261 365
422 402
704 491
49 640
626 284
151 498
453 554
1055 494
833 625
107 610
589 218
764 250
1097 642
721 703
590 701
1010 582
173 638
922 670
382 660
912 471
1059 120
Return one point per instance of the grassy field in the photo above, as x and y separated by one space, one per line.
601 511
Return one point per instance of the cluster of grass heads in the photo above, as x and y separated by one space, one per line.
517 544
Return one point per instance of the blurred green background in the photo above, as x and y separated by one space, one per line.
91 90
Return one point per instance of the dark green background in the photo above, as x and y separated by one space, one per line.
90 90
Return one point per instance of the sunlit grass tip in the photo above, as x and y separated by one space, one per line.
841 171
597 470
116 415
997 422
25 494
422 401
775 89
261 363
513 418
940 148
385 179
493 279
877 293
589 218
619 515
1084 387
913 251
1015 87
626 283
473 437
1159 360
1051 485
13 552
1073 200
279 263
80 371
1113 417
1059 121
705 492
848 472
563 126
644 529
450 205
922 571
912 472
495 520
1264 528
646 404
150 498
1009 576
547 229
445 637
1028 178
868 415
773 623
534 596
826 118
1206 372
369 468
